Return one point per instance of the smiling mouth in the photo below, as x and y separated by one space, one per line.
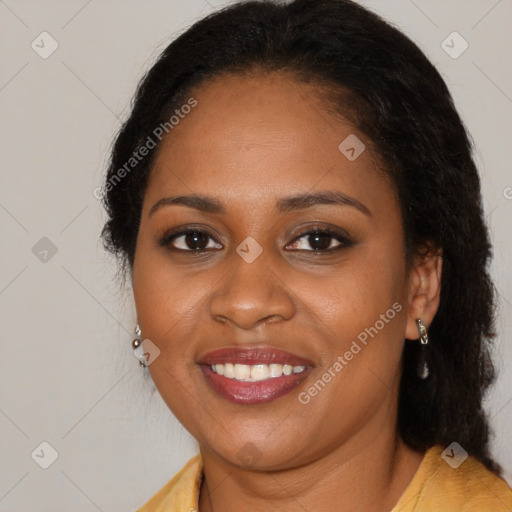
253 375
255 372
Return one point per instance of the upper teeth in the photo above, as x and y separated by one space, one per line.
255 372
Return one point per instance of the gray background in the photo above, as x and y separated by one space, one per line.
68 375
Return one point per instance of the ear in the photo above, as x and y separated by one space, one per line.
424 290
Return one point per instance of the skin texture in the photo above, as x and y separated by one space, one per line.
249 142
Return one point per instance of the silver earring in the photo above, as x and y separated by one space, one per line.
422 369
138 350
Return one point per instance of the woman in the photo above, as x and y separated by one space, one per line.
295 200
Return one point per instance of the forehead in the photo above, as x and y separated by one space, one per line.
256 137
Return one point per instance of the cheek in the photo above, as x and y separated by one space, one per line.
360 315
167 301
357 292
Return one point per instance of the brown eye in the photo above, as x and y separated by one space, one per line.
190 240
320 240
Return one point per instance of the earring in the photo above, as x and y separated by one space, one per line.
138 350
422 369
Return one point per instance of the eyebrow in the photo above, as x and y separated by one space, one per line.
287 204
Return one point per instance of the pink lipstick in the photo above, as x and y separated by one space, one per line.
253 375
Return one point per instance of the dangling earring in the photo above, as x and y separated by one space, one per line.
422 369
138 350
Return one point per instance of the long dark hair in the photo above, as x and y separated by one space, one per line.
367 70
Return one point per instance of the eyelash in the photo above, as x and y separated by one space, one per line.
345 242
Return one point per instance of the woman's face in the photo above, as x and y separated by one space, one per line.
336 303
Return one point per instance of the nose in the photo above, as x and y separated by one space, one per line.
252 294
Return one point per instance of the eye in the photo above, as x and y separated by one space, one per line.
321 240
199 241
189 240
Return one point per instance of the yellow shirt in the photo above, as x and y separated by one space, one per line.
435 487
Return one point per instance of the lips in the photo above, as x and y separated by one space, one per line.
238 387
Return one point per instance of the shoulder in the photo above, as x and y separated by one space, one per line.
181 493
450 480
